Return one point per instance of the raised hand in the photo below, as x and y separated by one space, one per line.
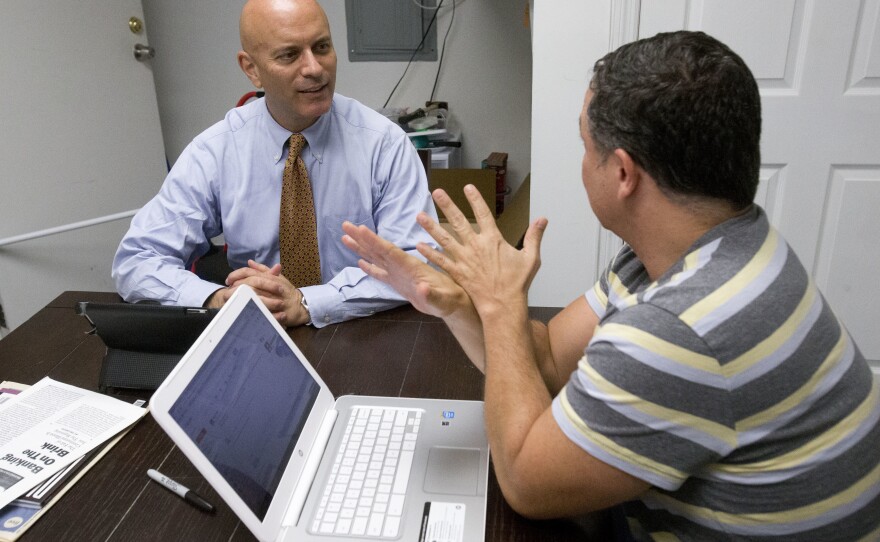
495 275
429 290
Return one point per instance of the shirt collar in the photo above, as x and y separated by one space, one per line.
316 135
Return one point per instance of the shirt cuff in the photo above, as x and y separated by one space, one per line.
195 293
324 303
328 305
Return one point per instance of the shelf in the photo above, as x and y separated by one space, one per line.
426 133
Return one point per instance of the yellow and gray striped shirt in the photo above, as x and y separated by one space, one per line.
731 387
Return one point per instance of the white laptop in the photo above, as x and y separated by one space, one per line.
293 463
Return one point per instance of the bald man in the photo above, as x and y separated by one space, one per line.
362 169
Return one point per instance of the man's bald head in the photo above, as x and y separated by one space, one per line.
288 52
257 15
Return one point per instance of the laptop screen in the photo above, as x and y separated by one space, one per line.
246 407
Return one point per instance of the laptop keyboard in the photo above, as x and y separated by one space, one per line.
365 492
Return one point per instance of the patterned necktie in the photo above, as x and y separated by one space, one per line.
298 233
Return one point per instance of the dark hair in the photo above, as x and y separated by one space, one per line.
687 110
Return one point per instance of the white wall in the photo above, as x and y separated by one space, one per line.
486 75
79 139
569 36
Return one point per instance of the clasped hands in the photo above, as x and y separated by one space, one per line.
480 269
280 296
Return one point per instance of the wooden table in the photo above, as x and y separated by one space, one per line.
395 353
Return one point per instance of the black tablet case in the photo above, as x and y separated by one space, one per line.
144 341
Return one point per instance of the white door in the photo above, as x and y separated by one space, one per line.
79 139
818 67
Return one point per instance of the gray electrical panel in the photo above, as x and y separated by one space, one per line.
390 30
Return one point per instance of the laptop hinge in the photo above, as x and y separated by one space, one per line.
310 470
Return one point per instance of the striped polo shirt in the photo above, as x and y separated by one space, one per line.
732 388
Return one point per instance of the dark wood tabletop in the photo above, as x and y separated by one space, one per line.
394 353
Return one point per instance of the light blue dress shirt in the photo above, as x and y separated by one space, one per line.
363 169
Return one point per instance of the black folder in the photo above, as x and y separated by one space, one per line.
144 340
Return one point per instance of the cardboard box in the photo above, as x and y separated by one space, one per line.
515 220
453 182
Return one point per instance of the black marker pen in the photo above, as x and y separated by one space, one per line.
182 491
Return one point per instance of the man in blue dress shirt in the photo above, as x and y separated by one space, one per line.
362 168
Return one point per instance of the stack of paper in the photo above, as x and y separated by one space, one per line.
50 434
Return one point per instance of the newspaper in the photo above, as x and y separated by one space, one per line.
48 426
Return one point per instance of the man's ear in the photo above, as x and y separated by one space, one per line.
629 174
249 67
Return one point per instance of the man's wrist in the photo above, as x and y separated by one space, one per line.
516 311
214 300
305 306
462 307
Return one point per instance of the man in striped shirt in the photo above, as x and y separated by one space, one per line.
703 382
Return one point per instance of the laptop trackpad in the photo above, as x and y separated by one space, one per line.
452 470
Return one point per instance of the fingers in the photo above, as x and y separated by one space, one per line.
362 239
384 254
444 239
260 267
533 236
483 215
373 270
387 263
373 248
435 256
368 245
253 268
460 224
275 270
272 303
238 275
377 254
267 285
